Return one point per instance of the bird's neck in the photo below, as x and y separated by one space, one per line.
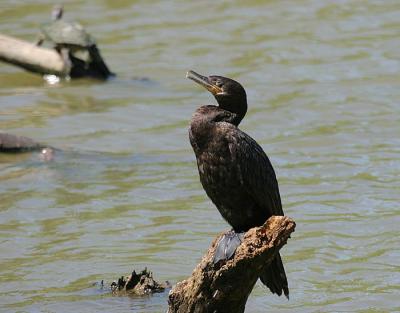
235 106
205 126
200 129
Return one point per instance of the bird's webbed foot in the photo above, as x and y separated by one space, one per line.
227 245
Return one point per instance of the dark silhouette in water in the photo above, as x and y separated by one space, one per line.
234 170
14 143
10 143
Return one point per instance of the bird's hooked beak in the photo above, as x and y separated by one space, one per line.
205 82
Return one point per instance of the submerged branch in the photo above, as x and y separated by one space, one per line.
14 143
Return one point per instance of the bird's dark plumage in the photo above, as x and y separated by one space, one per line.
234 170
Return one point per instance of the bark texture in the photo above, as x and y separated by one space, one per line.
225 286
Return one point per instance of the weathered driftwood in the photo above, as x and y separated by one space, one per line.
49 61
14 143
225 286
141 283
31 57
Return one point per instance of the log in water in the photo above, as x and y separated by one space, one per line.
31 57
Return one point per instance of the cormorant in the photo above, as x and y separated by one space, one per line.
234 170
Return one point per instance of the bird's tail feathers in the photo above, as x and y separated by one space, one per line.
274 277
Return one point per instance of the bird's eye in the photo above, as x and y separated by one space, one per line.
218 83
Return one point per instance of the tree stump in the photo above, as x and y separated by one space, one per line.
225 286
140 284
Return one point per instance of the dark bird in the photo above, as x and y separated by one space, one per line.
235 171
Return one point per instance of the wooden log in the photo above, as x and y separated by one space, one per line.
31 57
225 286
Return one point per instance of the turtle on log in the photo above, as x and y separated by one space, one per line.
76 46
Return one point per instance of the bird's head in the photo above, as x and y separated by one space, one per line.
229 94
57 12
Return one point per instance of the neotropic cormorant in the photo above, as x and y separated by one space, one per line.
234 170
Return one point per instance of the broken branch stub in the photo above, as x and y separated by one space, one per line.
225 286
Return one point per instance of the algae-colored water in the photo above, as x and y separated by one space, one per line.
323 87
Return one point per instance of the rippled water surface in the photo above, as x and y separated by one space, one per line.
323 87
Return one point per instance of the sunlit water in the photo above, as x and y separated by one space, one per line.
323 87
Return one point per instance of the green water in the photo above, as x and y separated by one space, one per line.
322 79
